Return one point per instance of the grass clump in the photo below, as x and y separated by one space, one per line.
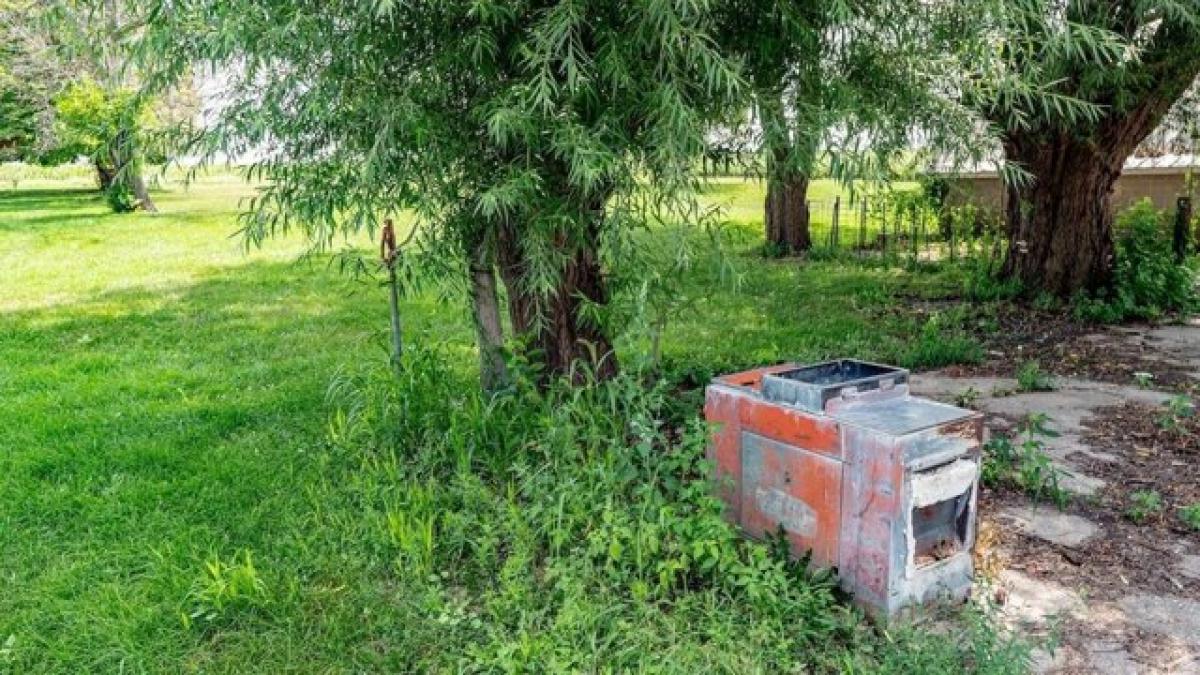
941 341
1031 377
225 588
1190 516
1142 505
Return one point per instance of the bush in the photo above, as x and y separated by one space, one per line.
1147 281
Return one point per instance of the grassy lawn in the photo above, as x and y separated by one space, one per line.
166 449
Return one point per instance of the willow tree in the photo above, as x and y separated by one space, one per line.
1060 217
865 85
529 137
100 111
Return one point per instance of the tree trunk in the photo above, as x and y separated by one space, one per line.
1060 226
485 306
787 216
556 334
104 176
138 185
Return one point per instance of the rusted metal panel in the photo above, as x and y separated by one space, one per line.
786 487
787 425
724 448
871 527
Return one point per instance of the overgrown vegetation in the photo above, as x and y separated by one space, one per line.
1148 282
1021 462
211 500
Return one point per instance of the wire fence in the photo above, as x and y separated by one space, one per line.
903 224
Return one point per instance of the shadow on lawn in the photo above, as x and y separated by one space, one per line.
193 397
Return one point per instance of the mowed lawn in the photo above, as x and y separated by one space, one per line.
162 406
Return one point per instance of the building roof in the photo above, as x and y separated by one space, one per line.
1163 164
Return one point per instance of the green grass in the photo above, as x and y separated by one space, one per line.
743 203
174 495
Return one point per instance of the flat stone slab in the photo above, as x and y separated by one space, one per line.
1174 617
1189 566
1051 525
1112 658
1031 601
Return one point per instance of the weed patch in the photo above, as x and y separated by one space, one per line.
1022 463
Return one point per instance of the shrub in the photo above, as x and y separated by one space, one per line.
1147 281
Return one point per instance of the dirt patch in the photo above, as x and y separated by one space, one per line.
1159 451
1130 555
1013 335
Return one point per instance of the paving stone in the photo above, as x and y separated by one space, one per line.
1032 601
1112 658
1189 566
1075 481
1166 615
1051 525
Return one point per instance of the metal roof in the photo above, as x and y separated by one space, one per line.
1163 164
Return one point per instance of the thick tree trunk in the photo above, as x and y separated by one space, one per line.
485 306
553 327
787 216
1060 226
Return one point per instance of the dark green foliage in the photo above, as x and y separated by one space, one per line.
1148 282
120 198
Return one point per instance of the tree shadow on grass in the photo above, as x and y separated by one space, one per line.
46 198
143 430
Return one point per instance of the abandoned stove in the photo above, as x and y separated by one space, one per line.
870 480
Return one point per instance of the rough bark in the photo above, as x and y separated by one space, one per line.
485 306
552 327
1060 226
787 216
138 185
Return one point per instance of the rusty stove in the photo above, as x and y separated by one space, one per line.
874 482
